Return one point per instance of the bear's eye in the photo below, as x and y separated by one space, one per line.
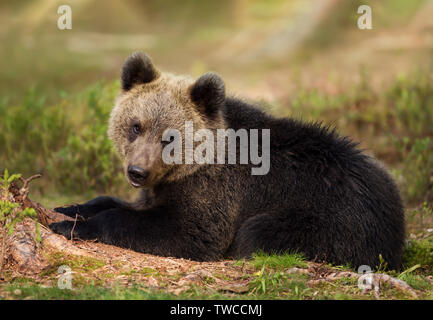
136 129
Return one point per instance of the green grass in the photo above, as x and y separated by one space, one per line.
278 262
85 293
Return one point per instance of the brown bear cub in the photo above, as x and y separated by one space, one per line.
321 196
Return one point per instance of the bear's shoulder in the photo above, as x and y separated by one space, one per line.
305 140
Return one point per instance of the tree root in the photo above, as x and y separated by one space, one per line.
23 253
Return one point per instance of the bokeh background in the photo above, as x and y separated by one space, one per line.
305 59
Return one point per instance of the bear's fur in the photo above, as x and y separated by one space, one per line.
322 196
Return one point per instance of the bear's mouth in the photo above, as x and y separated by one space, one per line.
135 184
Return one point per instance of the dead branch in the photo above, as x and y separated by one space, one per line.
20 196
373 281
25 188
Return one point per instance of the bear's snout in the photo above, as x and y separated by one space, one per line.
137 175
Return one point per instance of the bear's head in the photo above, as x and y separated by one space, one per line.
151 103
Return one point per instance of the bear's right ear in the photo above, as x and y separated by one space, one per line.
138 69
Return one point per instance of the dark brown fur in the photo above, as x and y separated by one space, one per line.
321 197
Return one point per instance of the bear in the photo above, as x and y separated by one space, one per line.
322 196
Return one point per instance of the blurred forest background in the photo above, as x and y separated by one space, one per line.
305 59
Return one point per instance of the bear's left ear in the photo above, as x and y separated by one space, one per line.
138 69
208 93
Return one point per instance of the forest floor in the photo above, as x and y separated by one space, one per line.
99 271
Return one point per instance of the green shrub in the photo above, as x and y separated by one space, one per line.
87 159
30 132
67 142
417 168
410 102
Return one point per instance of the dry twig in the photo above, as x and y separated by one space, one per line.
369 281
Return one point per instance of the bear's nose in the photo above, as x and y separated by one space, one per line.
137 175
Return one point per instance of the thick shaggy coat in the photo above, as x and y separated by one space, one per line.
322 196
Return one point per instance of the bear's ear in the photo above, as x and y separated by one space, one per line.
138 69
208 93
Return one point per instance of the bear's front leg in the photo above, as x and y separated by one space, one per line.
92 207
114 226
158 231
77 230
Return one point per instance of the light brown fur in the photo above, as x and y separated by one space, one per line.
158 105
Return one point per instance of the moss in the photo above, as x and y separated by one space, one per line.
76 263
419 252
